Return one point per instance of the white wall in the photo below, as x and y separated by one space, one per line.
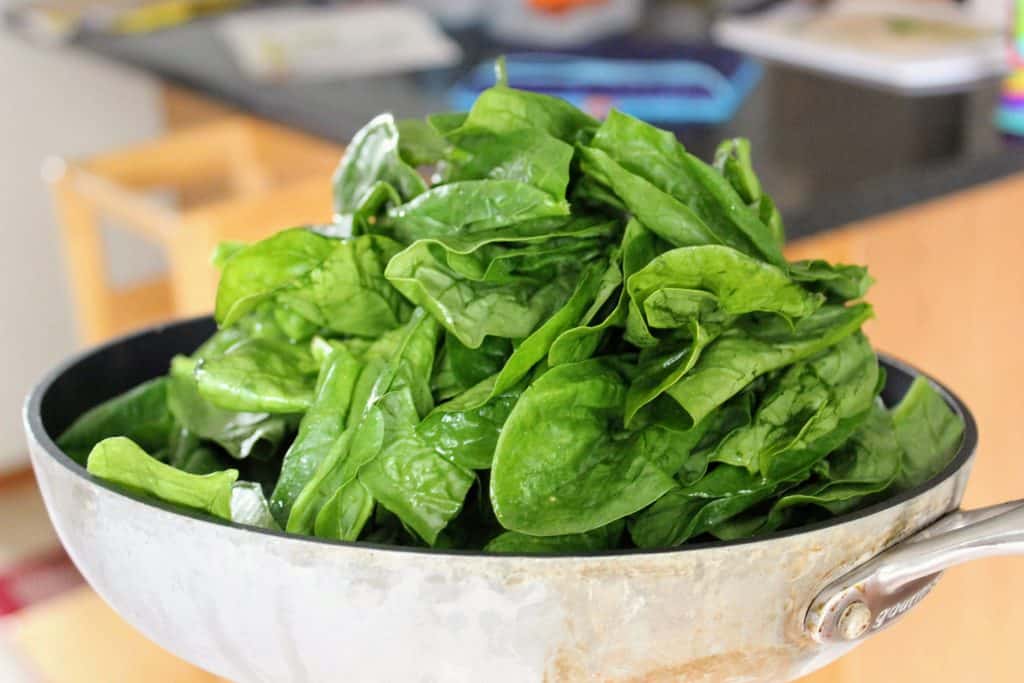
52 102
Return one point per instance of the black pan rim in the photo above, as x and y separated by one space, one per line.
32 417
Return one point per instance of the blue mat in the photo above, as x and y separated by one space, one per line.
679 85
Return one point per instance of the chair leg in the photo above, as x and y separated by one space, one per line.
193 278
87 264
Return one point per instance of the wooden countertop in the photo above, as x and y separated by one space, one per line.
949 298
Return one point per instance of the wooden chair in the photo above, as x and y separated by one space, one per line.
236 178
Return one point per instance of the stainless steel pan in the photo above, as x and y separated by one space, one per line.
252 605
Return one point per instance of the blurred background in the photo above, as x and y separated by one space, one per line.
136 134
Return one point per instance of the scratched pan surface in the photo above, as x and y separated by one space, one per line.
255 606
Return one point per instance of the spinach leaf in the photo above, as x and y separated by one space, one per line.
472 309
347 293
639 246
724 210
505 110
121 461
536 346
465 430
223 252
929 432
331 476
839 281
659 180
866 465
259 375
241 434
408 477
345 513
319 429
529 156
737 283
187 453
140 414
262 269
446 121
372 168
732 160
249 506
701 290
460 368
469 207
812 405
752 348
420 143
603 538
563 465
660 212
685 512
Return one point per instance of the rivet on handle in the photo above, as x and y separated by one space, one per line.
854 620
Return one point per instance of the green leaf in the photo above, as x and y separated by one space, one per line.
223 252
604 538
660 212
332 475
459 367
841 282
333 500
536 346
732 160
929 432
472 309
738 284
446 121
701 290
241 434
121 461
319 429
529 156
262 269
249 506
420 143
563 465
752 348
345 513
140 414
720 205
259 375
408 477
348 293
673 193
506 110
685 512
865 466
465 430
469 207
372 169
811 405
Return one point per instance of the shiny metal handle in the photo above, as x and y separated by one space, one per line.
876 593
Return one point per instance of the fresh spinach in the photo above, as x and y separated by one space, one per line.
140 414
574 337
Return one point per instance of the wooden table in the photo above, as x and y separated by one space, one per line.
949 297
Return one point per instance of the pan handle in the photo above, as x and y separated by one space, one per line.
878 592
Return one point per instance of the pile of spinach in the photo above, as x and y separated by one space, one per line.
576 336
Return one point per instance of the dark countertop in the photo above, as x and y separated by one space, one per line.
830 152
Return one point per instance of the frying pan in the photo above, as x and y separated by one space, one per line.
255 606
